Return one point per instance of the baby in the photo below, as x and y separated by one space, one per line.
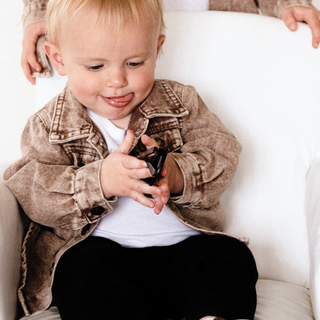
102 243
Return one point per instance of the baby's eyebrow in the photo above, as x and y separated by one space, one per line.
96 60
93 59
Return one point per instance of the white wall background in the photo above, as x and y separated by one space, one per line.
17 95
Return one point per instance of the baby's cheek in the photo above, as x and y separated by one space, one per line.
144 81
85 90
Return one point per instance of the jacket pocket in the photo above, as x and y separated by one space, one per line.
167 132
80 153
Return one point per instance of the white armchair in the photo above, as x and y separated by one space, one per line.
264 83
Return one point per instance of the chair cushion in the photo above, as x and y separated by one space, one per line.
282 301
276 300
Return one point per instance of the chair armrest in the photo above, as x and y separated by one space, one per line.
11 234
313 225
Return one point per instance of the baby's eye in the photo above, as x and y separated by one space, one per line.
95 68
134 64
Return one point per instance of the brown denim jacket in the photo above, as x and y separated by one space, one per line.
57 180
34 10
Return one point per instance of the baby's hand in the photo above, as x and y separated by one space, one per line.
170 180
121 175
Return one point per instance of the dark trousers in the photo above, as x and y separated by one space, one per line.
202 275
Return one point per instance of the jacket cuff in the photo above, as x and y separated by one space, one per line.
283 4
88 192
192 193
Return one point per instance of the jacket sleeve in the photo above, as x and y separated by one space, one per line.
34 11
271 8
209 156
50 190
275 7
248 6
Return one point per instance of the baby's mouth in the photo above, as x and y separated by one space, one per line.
119 101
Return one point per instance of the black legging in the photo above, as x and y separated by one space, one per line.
202 275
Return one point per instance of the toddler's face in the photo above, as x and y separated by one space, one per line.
110 73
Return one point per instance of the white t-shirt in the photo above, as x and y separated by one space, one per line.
130 223
191 5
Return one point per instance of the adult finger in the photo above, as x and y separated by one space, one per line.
288 18
29 59
32 59
27 71
313 20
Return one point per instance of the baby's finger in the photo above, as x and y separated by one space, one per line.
142 199
148 142
132 163
127 143
158 206
140 172
154 191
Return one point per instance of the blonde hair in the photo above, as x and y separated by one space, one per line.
115 13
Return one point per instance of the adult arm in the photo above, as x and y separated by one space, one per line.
33 60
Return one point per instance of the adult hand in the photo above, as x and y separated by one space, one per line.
311 16
29 43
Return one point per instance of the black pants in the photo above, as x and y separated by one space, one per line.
202 275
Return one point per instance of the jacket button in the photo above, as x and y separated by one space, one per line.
85 229
97 211
102 143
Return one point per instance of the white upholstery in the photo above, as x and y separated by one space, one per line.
11 233
189 5
263 82
313 222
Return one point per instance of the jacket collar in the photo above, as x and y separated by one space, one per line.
70 120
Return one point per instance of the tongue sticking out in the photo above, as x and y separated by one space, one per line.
119 102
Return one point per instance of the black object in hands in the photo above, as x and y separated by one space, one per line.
155 158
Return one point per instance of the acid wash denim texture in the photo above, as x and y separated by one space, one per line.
57 180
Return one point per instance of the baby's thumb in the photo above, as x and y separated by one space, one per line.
126 144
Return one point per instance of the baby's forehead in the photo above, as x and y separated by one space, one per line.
111 23
91 23
113 15
101 41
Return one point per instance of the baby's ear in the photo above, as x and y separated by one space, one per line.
54 54
161 40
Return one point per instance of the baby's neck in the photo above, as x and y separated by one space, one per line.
122 123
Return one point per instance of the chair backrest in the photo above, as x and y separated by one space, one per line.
263 82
